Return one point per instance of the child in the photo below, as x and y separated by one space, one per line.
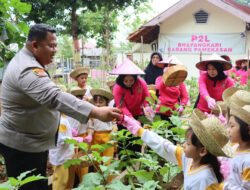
81 76
169 96
205 140
239 133
213 82
101 130
79 129
59 155
111 85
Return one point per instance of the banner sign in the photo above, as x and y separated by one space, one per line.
205 43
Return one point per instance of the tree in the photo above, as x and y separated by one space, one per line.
66 15
12 27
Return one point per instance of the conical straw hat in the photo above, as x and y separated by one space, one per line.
171 60
242 113
78 71
202 65
76 91
239 96
211 133
239 61
175 75
127 68
102 92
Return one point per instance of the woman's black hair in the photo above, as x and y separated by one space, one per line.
208 158
244 130
120 79
219 67
96 96
245 67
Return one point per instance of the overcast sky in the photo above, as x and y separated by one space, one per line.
158 6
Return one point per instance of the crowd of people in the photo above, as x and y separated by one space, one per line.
38 115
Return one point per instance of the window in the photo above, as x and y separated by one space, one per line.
201 17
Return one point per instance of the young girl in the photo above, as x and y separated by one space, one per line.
169 96
101 130
80 130
239 133
213 82
81 75
205 140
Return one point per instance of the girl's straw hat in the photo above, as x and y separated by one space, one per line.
78 71
238 96
174 75
242 113
239 61
202 65
211 133
62 87
127 68
152 87
76 91
102 92
111 83
171 60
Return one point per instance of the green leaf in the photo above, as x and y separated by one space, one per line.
150 185
31 178
164 109
118 185
143 173
6 185
164 170
91 180
70 162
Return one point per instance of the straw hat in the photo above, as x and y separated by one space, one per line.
171 60
78 71
127 68
239 96
62 87
242 113
220 107
111 83
211 133
76 91
102 92
202 65
239 61
175 75
152 87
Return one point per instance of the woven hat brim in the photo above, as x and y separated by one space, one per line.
228 93
203 65
239 112
79 71
78 92
102 92
206 139
111 83
220 104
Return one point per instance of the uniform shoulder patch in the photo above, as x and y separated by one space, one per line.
39 72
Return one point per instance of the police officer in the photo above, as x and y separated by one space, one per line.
31 106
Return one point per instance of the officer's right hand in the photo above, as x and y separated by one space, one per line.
105 113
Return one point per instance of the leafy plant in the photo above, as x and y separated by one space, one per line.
16 183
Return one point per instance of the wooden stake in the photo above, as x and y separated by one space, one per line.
142 52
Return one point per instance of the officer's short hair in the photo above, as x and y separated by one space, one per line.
38 32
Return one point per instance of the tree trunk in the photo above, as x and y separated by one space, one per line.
107 35
74 34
